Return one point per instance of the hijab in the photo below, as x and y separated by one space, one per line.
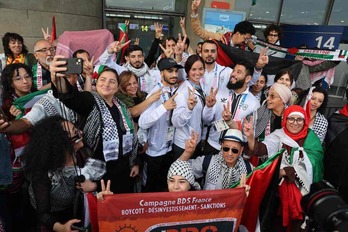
296 110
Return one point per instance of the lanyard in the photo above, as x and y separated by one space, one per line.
200 94
240 104
143 85
214 85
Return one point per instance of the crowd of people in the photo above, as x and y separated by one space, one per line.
177 121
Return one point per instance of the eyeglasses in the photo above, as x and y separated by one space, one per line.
273 96
20 79
273 35
45 50
227 149
297 120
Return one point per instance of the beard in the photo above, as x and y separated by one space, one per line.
239 84
209 61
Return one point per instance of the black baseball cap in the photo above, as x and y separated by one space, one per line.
168 63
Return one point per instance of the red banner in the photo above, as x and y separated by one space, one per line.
196 211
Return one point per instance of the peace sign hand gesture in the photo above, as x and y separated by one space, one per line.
248 127
190 145
243 184
46 34
192 99
180 45
105 191
263 59
88 66
168 52
117 46
211 99
226 114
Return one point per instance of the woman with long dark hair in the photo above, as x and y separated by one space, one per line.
15 51
51 168
317 101
16 80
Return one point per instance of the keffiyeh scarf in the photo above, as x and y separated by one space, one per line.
230 174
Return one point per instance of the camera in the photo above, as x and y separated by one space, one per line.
325 208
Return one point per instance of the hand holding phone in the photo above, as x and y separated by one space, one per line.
73 65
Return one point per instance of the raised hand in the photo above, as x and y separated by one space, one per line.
180 45
263 58
158 30
192 99
243 184
105 191
88 66
168 52
156 95
226 114
137 41
117 46
56 67
190 144
182 21
46 34
211 99
170 104
195 6
248 127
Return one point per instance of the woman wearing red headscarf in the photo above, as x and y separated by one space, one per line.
301 163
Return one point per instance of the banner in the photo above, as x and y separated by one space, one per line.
209 210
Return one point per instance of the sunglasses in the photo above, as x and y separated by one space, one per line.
227 149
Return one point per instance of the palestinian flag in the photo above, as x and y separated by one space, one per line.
123 32
259 181
228 56
25 103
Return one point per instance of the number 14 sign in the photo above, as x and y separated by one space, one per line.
323 37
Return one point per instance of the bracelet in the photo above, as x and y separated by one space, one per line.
194 16
229 123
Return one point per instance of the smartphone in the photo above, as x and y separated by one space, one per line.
3 115
73 65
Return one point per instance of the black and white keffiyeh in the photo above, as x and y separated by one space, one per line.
230 174
183 168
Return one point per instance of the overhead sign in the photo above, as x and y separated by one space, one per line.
323 37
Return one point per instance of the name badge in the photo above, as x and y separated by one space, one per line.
170 134
220 125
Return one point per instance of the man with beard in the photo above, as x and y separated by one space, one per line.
156 119
44 53
217 76
235 101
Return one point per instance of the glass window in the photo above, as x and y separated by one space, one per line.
140 26
265 10
339 14
309 12
163 5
